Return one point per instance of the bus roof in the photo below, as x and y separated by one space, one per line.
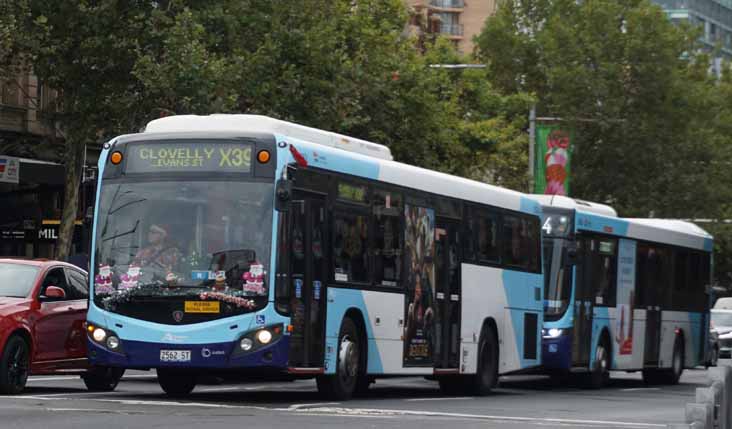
264 124
573 203
364 154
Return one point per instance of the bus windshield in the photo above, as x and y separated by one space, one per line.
557 279
202 239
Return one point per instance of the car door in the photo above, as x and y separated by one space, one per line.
54 319
78 302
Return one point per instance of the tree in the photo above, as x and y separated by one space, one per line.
633 86
340 65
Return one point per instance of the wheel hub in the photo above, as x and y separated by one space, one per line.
348 358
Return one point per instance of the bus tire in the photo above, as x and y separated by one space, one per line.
176 384
486 378
102 379
341 385
673 374
14 366
599 375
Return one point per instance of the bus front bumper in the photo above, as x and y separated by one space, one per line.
144 355
556 353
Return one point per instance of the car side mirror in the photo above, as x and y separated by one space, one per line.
54 292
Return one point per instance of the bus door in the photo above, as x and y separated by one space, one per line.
307 232
448 294
583 304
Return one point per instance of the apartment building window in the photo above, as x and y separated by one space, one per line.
9 93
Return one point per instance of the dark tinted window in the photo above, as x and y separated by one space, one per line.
488 250
519 242
388 238
56 277
350 247
78 285
600 269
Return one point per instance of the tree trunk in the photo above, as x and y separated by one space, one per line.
74 167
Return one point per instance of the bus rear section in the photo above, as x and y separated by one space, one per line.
624 294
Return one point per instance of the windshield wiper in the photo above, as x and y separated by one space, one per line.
132 231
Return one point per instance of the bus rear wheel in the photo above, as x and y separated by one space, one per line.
175 384
673 374
487 376
341 385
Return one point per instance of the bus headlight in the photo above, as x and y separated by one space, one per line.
246 344
552 333
264 336
113 342
99 335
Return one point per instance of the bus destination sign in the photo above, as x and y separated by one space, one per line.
186 156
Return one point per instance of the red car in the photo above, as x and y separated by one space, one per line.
42 313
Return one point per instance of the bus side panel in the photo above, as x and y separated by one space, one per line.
506 297
385 346
690 325
622 359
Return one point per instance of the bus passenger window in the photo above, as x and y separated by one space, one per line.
388 237
350 248
487 238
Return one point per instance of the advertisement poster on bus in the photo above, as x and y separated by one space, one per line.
9 169
553 155
625 301
420 279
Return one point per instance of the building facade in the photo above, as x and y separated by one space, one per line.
32 173
458 20
713 16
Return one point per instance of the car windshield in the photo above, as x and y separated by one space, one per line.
16 280
182 238
722 318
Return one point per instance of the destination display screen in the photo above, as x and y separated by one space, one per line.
189 156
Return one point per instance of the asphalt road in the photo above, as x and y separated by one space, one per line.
62 402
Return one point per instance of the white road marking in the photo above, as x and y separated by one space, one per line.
637 389
452 398
391 412
76 377
295 407
218 389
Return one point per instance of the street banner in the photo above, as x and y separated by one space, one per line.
9 169
553 153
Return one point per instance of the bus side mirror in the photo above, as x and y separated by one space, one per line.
570 256
283 193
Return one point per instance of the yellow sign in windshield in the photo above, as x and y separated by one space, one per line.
202 307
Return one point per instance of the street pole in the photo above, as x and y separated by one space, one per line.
532 139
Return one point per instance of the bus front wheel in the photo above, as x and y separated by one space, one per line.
341 385
102 379
175 384
599 375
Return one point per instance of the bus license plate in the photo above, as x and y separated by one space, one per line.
175 355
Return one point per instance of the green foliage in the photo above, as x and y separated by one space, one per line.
341 65
652 125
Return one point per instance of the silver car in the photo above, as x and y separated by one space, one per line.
722 325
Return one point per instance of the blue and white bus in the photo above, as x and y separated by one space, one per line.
243 245
622 294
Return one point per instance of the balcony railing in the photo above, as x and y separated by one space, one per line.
448 4
451 29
